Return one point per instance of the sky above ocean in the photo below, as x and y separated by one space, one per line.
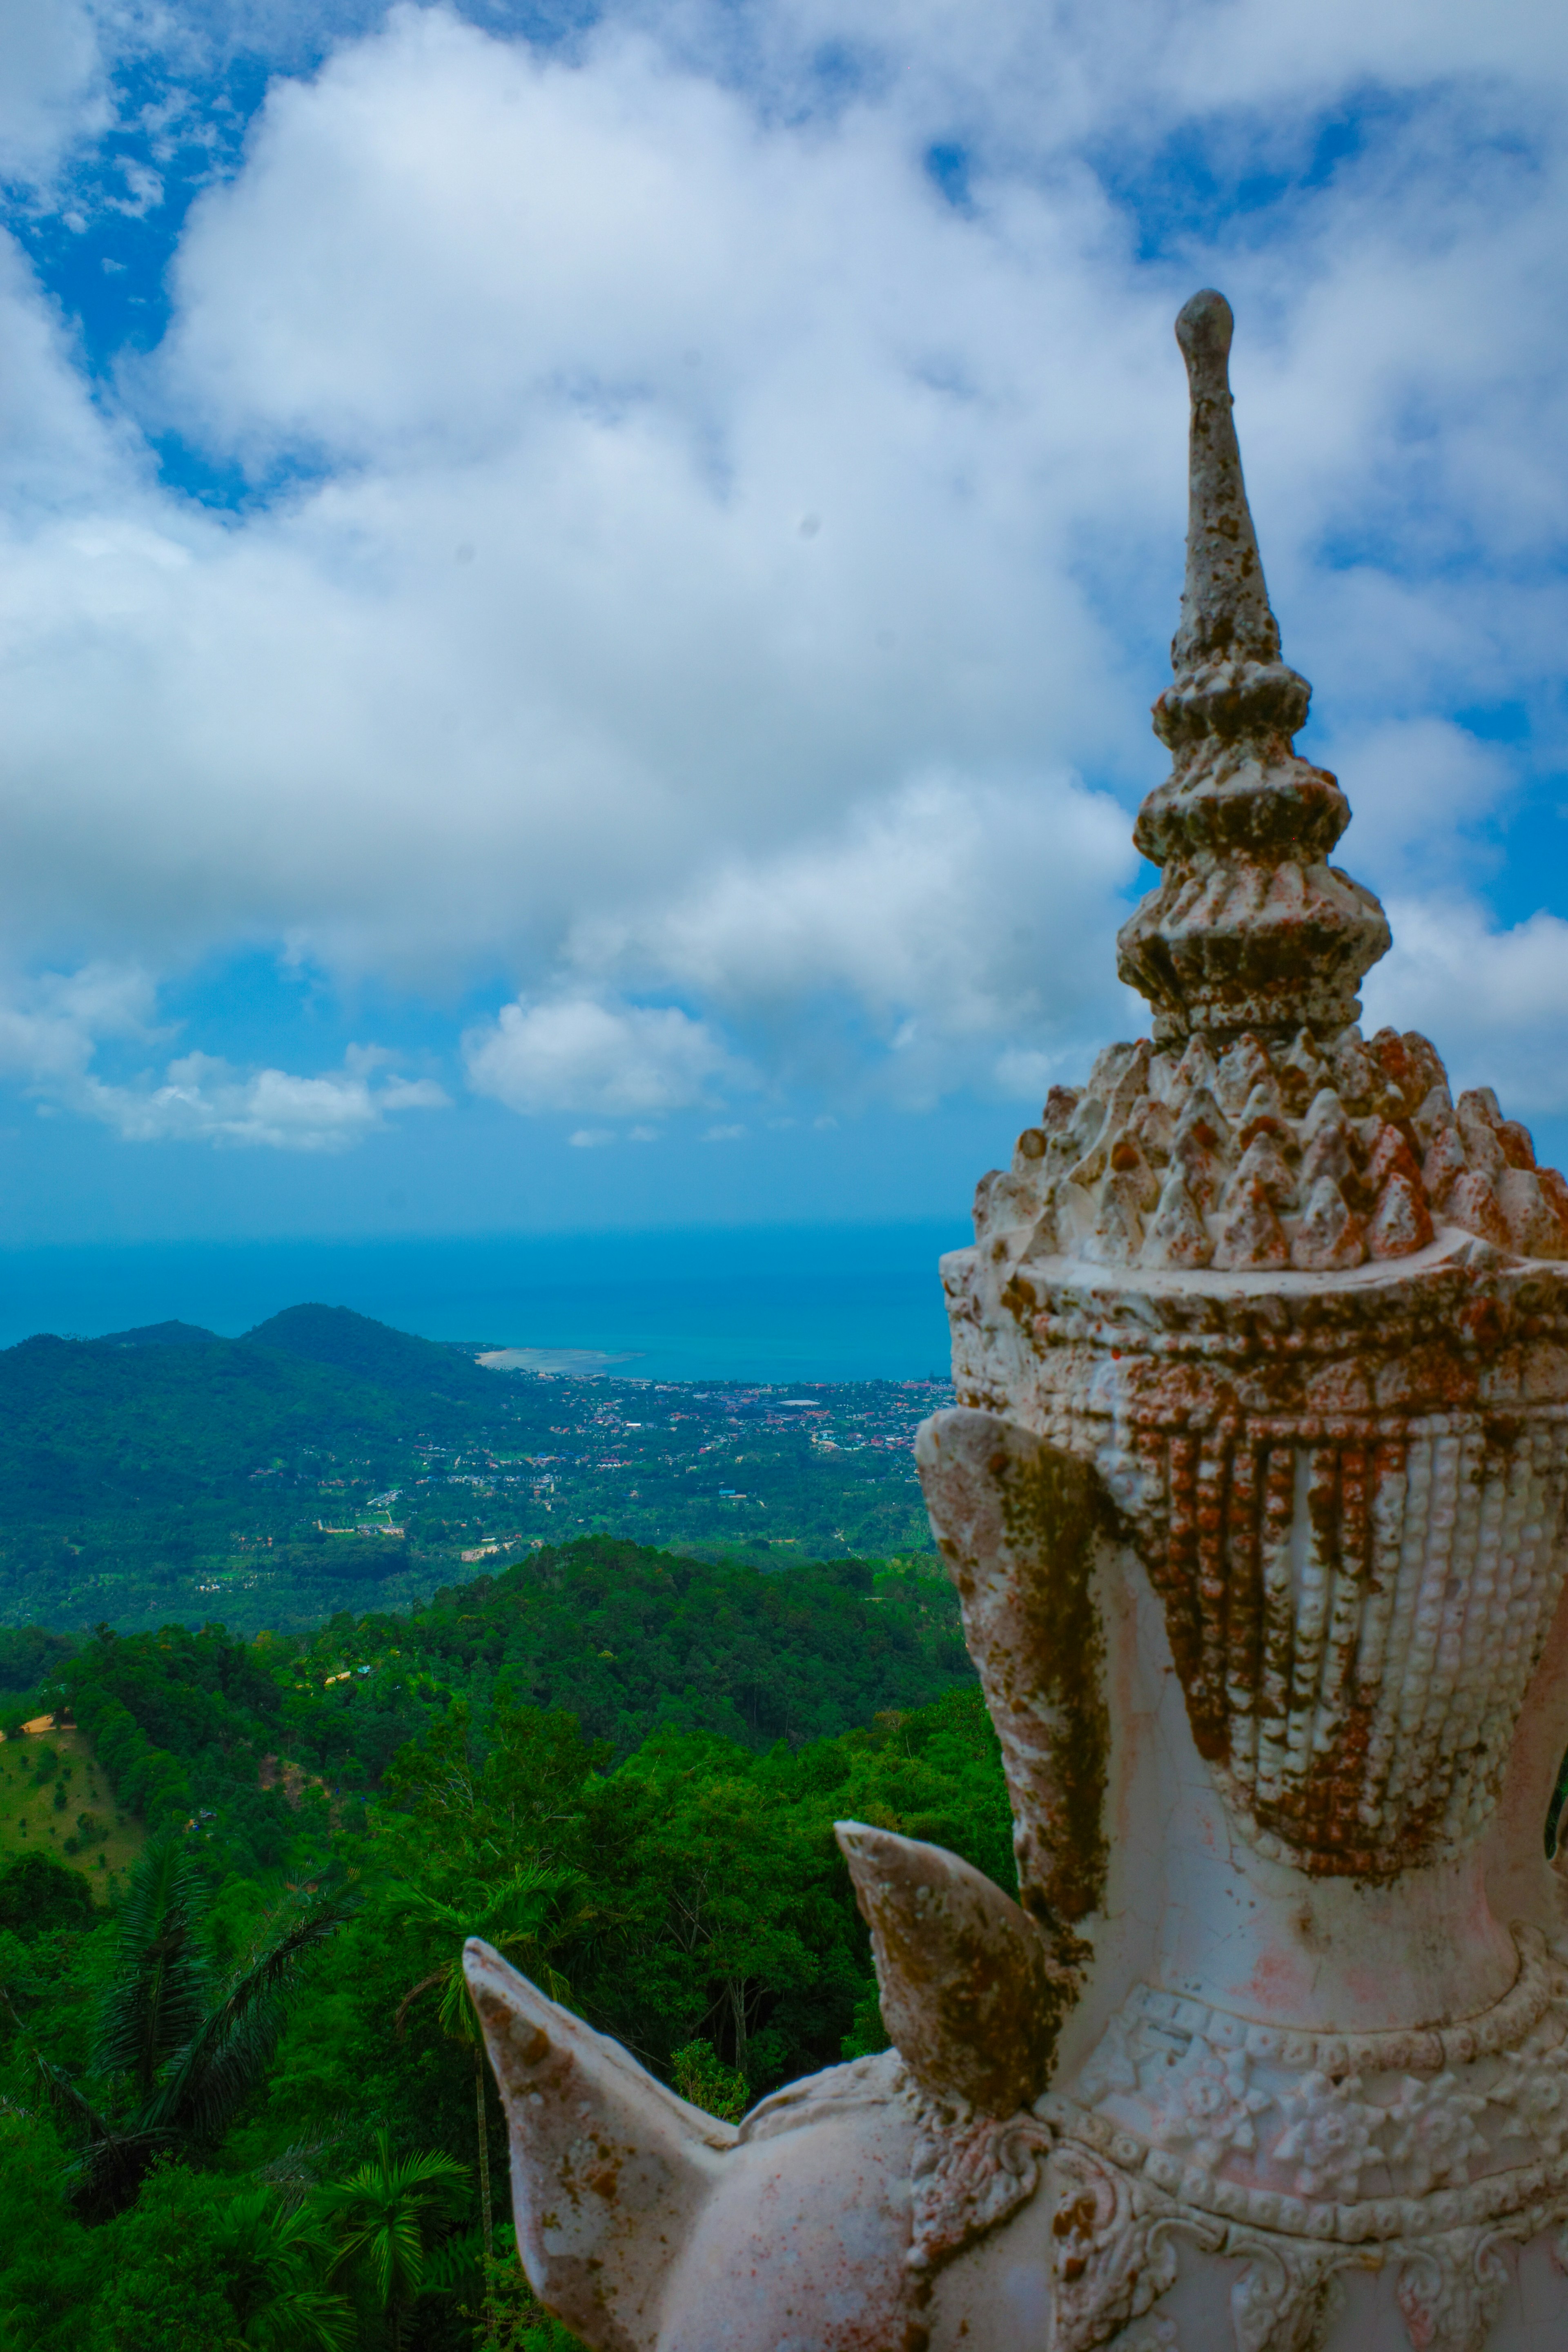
580 585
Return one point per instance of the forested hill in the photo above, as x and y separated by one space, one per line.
325 1460
395 1361
619 1765
627 1640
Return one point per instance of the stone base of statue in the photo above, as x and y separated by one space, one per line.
1255 1502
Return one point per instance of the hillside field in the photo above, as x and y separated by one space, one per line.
55 1796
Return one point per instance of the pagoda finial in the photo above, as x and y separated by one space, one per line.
1251 927
1225 604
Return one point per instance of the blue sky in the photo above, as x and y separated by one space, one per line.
580 590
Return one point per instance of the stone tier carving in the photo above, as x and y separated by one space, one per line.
1250 927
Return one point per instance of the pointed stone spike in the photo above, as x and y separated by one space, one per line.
1299 1073
1401 1223
1224 602
1264 1161
1200 1111
1327 1159
1472 1205
1329 1238
1263 1102
1518 1144
1195 1070
609 2169
1554 1190
1391 1155
1530 1219
970 1996
1153 1130
1325 1105
1250 1235
1435 1110
1177 1235
1244 1067
1355 1080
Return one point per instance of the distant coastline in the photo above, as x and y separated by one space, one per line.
762 1303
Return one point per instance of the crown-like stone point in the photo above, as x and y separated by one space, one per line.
1251 927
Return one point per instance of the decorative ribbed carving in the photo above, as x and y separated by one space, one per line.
1354 1625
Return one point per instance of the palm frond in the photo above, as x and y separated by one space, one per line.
157 1997
313 2317
204 2092
512 1917
271 2255
226 2057
453 2262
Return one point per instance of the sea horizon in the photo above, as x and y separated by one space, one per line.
764 1303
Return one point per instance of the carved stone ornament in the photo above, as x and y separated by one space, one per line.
1254 1503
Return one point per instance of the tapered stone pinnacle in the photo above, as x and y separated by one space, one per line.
1251 927
1225 604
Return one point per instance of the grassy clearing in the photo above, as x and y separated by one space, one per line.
49 1782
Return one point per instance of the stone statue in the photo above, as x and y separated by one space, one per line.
1255 1506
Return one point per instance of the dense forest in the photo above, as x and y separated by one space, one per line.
242 2103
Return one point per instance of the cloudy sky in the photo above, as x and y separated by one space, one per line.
580 590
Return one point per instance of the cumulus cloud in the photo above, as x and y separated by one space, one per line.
52 1031
575 1053
202 1099
927 926
710 533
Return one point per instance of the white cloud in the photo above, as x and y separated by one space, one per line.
50 83
576 1053
537 666
944 917
202 1099
52 1029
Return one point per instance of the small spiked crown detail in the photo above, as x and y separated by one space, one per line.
1251 927
1257 1130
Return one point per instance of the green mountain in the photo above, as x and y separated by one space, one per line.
161 1334
374 1353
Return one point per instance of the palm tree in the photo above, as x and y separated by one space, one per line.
382 2212
512 1918
273 2258
184 2054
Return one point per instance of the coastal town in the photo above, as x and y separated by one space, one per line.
819 1470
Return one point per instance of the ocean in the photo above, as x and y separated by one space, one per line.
778 1303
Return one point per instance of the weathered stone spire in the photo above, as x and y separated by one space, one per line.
1251 927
